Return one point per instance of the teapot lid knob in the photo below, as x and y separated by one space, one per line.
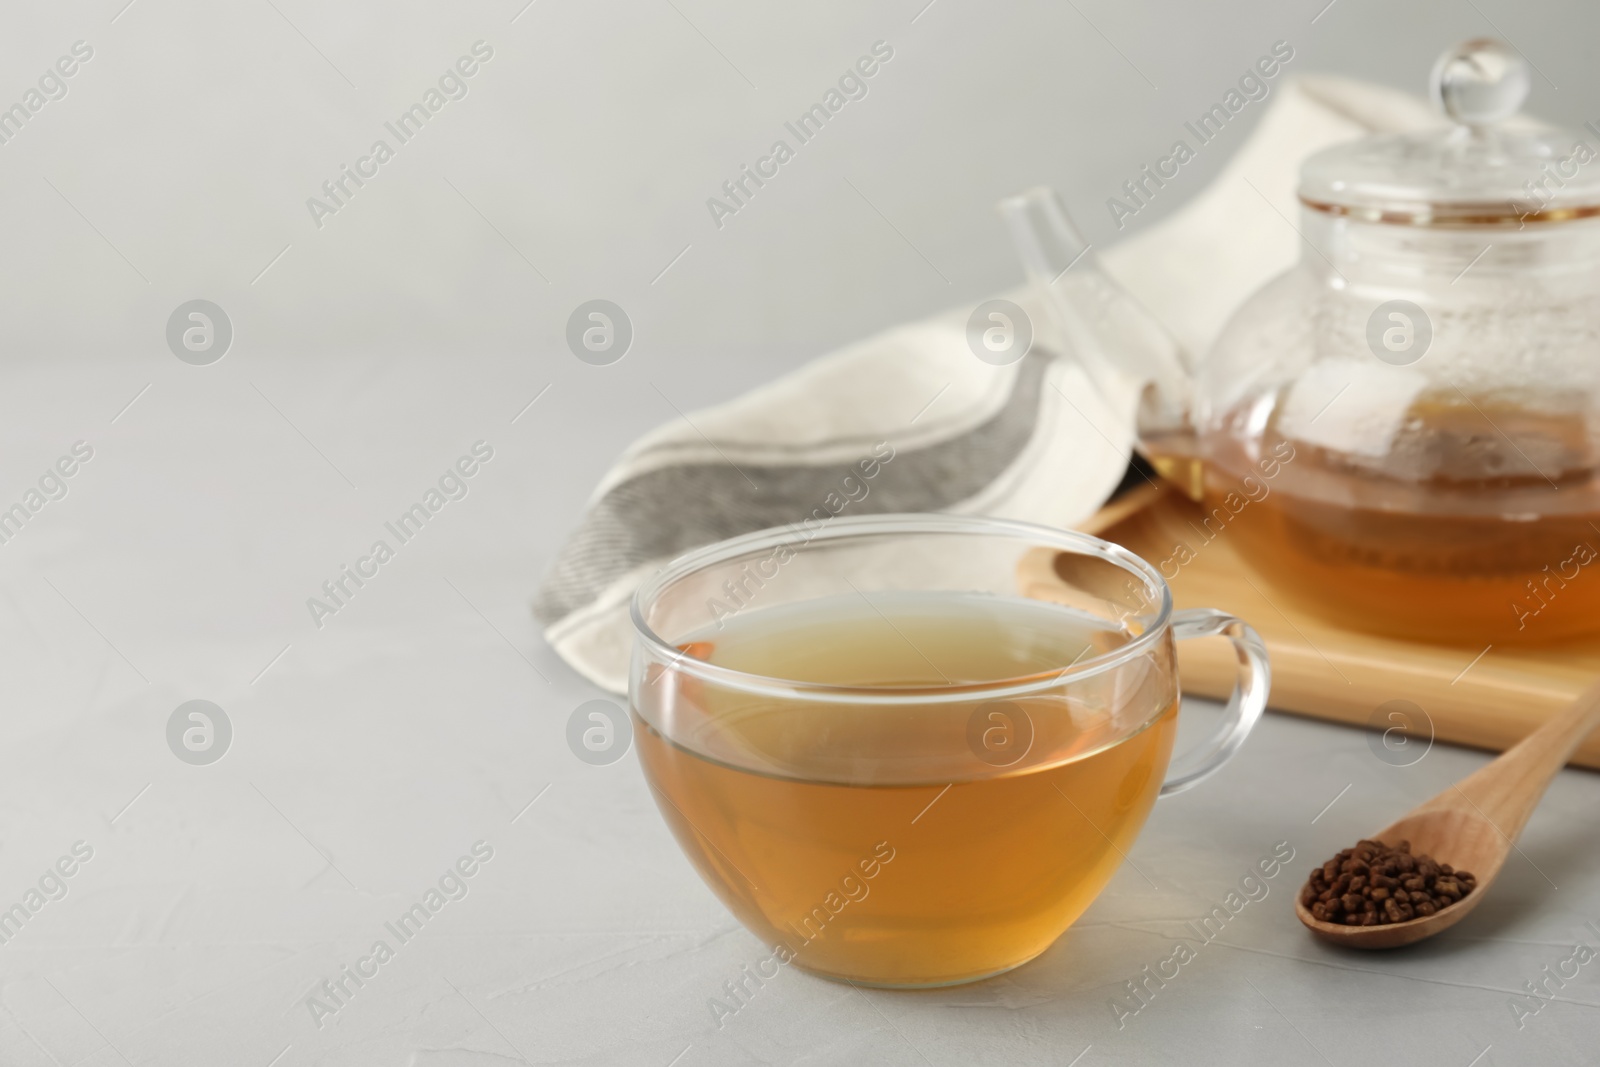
1480 82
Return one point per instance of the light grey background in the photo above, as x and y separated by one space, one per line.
371 752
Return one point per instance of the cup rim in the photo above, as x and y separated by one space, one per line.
881 525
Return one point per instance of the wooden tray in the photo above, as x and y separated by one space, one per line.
1488 699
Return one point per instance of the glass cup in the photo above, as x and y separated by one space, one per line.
910 750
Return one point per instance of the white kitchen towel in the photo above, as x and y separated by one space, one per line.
941 429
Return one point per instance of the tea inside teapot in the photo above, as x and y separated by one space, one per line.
1449 534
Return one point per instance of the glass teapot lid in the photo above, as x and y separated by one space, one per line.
1482 170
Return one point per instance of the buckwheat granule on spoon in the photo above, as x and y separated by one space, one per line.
1373 885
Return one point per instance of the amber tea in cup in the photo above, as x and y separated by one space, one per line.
893 763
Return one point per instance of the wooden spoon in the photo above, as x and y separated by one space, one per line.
1473 824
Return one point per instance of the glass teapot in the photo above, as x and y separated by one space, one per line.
1401 432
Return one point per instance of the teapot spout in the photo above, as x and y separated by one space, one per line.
1119 344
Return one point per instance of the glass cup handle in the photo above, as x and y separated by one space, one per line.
1245 706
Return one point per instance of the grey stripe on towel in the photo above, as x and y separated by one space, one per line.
663 513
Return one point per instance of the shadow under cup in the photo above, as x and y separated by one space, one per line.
910 750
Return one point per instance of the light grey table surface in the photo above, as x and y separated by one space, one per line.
369 754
